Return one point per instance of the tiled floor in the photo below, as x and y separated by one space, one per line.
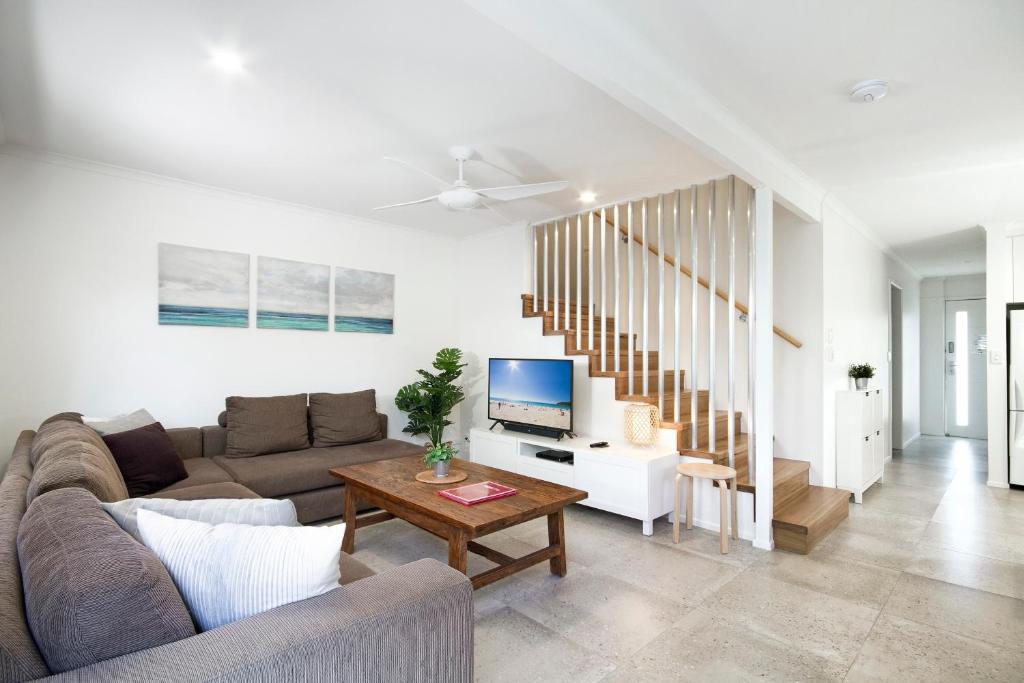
925 581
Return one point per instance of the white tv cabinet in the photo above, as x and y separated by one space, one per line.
628 480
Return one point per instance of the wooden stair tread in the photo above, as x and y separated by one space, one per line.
809 517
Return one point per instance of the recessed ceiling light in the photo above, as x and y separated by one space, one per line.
869 91
227 61
587 197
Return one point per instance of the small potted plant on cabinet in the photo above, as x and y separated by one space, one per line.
429 402
861 373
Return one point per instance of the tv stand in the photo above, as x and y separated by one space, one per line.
533 430
624 479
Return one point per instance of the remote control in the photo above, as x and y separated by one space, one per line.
599 444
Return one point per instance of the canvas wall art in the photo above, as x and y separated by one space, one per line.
202 287
364 301
291 295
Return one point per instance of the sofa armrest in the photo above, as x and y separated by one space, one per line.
410 623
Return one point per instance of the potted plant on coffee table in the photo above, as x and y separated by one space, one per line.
861 373
429 401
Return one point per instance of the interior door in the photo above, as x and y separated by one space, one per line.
965 369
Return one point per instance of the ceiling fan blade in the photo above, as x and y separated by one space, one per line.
418 201
499 214
417 169
511 192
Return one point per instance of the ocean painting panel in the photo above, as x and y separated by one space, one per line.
202 287
292 295
364 301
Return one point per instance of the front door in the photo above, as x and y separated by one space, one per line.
965 369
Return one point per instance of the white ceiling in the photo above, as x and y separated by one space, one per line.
954 253
332 86
329 89
944 152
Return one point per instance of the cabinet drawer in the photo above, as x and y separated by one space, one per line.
555 472
493 452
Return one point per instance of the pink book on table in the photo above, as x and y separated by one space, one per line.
472 494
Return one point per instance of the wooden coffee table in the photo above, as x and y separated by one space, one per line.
390 485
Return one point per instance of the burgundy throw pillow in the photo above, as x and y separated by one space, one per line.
147 459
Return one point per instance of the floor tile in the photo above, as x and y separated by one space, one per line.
998 546
509 646
681 576
985 616
903 650
895 553
912 501
864 584
967 569
707 647
601 613
802 618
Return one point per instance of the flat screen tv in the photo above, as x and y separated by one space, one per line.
531 392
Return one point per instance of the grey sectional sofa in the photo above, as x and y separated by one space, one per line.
410 623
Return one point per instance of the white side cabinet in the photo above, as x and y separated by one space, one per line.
860 440
624 479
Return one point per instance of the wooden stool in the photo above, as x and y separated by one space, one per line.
722 475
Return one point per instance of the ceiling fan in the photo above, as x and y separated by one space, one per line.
460 196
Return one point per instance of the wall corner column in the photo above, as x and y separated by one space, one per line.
764 388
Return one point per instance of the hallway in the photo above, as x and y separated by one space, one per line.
955 609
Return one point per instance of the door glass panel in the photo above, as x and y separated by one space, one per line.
962 369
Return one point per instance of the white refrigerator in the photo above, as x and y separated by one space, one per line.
1015 391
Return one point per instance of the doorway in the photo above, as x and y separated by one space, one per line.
966 380
896 365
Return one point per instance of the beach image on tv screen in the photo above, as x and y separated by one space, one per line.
536 392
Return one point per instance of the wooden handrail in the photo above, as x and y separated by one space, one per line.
740 306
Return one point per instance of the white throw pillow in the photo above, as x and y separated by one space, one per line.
255 511
226 572
106 426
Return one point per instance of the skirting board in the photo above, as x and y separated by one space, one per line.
998 484
911 440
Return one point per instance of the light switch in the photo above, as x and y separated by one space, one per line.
995 357
830 354
830 335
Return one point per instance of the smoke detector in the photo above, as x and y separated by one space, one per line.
869 91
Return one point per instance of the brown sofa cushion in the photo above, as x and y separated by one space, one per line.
68 454
59 431
188 441
200 471
147 459
280 474
340 419
221 489
20 659
91 591
271 424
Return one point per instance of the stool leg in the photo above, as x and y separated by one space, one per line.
678 509
689 503
723 517
735 518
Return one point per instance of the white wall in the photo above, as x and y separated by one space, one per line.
1001 241
78 287
798 310
935 291
855 304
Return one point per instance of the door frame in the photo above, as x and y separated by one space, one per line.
892 363
945 360
1009 307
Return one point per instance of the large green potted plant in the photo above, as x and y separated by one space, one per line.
429 402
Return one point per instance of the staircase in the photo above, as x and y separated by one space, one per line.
630 260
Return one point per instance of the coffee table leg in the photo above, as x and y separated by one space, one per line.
457 550
348 541
556 537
